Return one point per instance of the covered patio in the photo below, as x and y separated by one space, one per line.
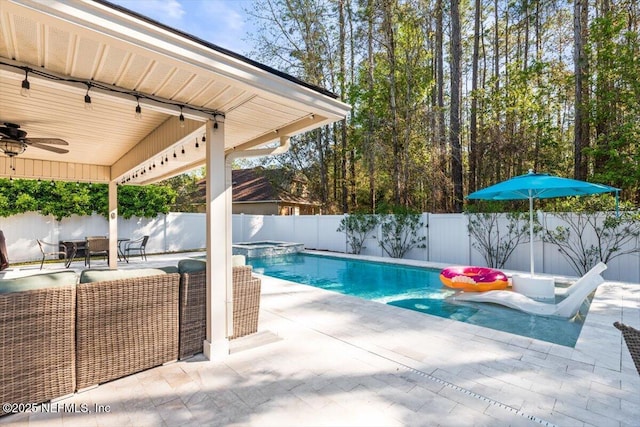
138 102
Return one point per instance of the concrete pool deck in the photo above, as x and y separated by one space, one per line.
322 358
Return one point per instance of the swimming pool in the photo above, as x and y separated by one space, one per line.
417 289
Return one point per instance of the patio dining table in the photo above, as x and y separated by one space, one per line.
121 241
73 247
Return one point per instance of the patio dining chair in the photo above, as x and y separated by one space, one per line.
57 250
97 245
137 245
632 338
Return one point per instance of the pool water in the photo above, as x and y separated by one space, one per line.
417 289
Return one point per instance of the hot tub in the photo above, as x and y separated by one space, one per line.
266 248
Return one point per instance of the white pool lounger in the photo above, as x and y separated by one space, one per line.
575 295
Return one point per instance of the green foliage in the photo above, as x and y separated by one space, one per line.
189 197
495 240
64 199
358 227
146 202
399 232
590 204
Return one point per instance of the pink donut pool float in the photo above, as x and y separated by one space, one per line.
474 279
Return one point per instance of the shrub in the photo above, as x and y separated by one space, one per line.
357 227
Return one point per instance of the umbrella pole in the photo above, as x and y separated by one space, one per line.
531 230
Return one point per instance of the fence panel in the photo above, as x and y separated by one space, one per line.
448 239
328 238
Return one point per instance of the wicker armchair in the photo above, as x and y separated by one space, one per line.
37 326
632 338
125 325
246 305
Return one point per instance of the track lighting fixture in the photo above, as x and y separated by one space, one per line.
87 99
138 109
24 91
181 118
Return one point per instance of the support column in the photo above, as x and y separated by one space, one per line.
113 225
218 229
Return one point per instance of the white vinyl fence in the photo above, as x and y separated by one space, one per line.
447 238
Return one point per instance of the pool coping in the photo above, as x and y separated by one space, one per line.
613 301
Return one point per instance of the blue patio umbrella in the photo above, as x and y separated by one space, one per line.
539 186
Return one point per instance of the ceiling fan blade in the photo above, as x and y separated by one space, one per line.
49 148
50 141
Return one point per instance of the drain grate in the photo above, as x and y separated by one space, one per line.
469 392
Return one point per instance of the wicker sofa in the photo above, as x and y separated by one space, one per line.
126 322
193 303
37 330
62 332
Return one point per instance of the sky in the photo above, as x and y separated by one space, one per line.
221 22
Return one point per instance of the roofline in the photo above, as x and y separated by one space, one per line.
219 49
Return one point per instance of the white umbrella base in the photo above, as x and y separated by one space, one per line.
535 287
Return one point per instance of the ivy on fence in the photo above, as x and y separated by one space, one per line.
64 199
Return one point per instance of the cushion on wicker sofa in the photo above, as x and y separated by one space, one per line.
102 274
191 265
38 281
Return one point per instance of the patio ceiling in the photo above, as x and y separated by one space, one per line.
67 45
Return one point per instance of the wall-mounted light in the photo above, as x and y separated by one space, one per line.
24 91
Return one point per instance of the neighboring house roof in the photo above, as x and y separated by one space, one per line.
254 186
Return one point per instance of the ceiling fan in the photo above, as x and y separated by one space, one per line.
14 141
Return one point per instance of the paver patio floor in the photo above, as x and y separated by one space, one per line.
324 359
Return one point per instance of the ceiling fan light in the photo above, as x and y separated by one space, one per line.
12 148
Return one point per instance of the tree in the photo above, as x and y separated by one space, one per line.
456 82
399 232
581 67
616 232
496 240
357 228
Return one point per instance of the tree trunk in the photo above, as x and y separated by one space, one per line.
454 135
473 141
581 66
369 138
343 123
390 42
441 130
